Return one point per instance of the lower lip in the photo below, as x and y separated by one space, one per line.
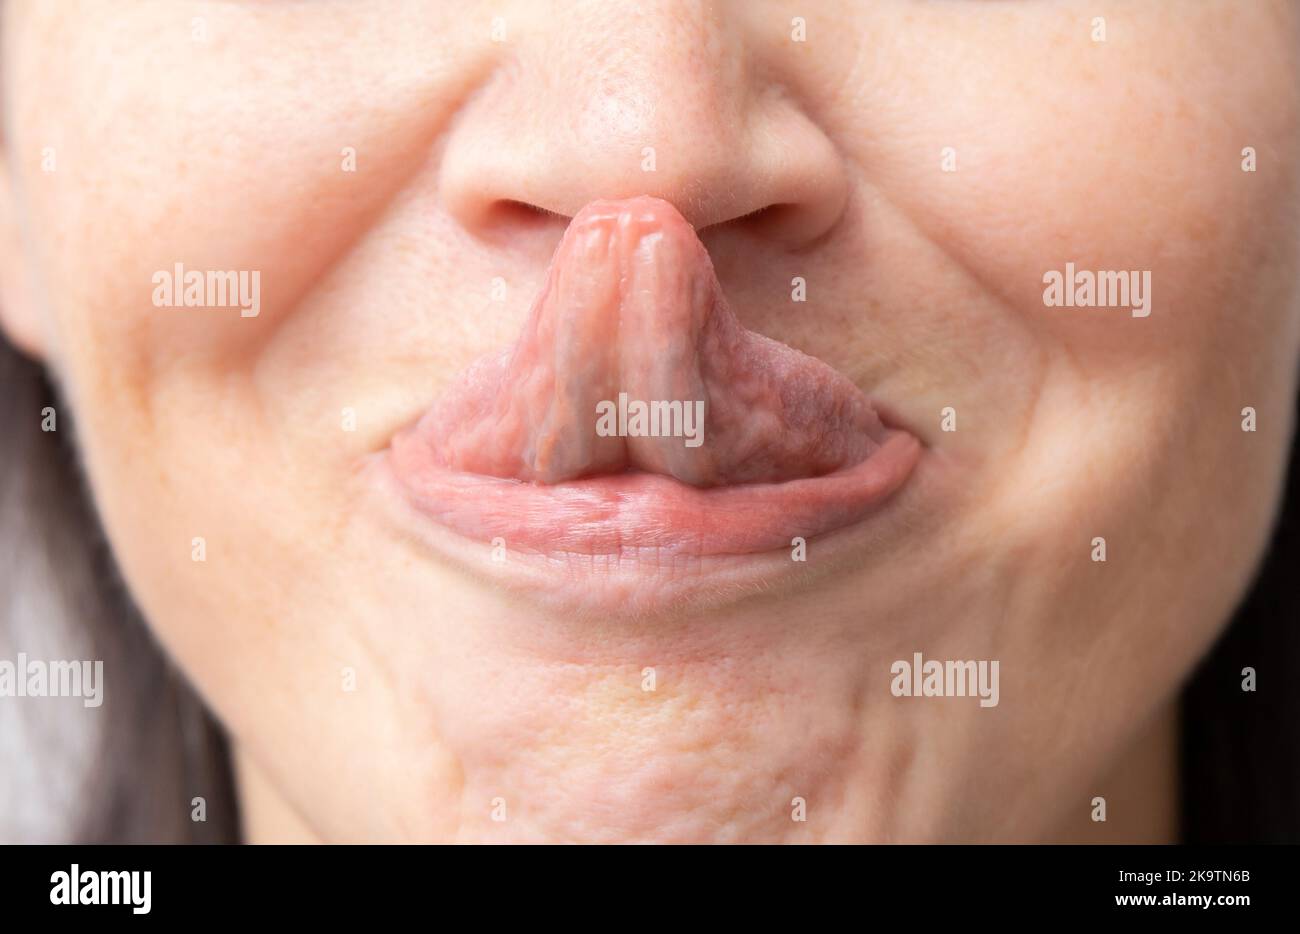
648 519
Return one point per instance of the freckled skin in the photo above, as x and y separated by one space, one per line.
820 160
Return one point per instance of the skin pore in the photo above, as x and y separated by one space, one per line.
399 172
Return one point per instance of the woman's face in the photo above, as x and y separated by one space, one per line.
398 173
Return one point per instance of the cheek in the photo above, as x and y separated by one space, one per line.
165 160
184 170
1124 156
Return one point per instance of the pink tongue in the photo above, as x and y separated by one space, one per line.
631 306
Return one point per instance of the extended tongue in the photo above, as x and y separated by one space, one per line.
631 332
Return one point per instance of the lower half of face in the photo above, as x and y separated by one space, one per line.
1045 309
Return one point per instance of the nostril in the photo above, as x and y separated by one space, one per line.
765 213
795 226
526 213
765 221
768 220
509 222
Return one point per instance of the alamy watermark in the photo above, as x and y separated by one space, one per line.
32 677
193 288
637 419
1084 288
930 678
77 886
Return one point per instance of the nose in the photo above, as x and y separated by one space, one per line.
648 97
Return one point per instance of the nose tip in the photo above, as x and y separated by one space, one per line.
672 110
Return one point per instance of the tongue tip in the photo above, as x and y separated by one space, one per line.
644 212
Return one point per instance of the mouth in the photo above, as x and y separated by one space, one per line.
637 426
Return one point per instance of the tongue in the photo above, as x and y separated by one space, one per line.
631 324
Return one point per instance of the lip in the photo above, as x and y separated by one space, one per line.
638 543
644 517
